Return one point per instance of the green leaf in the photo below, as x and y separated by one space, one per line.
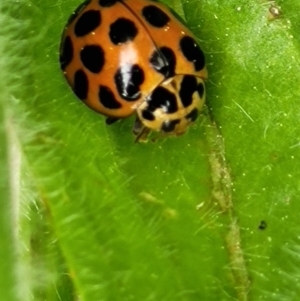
211 215
7 251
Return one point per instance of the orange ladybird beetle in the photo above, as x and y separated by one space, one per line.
125 57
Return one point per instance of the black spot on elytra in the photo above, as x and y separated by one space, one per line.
200 89
169 54
92 57
66 54
192 52
148 115
159 62
169 125
87 22
155 16
163 61
107 98
77 11
81 84
122 31
187 89
107 3
128 79
162 98
193 115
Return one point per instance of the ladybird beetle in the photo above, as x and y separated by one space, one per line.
134 56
